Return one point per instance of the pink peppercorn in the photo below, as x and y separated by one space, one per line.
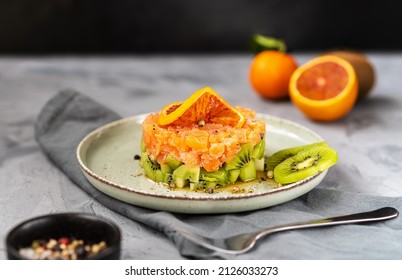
64 241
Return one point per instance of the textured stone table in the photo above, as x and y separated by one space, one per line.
368 140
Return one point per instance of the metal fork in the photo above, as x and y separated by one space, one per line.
242 243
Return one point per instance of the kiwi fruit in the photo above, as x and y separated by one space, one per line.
242 157
183 176
258 153
248 172
220 177
272 161
233 175
143 147
154 171
258 150
243 166
364 70
244 162
207 184
305 164
172 162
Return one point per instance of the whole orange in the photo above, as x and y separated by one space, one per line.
270 72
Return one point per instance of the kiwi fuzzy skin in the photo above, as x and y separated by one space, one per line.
364 70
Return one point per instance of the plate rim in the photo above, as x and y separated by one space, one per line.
242 196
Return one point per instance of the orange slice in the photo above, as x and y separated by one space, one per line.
325 88
203 106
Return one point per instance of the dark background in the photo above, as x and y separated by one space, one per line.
149 26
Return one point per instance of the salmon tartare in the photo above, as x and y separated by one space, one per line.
203 154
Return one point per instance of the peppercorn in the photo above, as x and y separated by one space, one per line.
63 248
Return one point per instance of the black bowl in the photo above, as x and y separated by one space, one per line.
80 226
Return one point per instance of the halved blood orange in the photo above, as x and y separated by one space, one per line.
203 106
325 88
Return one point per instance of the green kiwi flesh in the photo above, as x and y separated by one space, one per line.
243 167
242 157
272 161
233 175
289 165
258 150
244 162
143 147
154 170
304 164
173 162
220 177
248 171
184 176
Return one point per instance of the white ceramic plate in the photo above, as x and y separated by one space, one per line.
106 157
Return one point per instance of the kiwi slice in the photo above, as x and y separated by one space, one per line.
143 147
242 157
172 162
165 168
220 177
154 170
259 150
248 172
183 176
206 184
272 161
305 164
243 162
242 167
258 154
233 175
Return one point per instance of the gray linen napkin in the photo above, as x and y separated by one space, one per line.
69 116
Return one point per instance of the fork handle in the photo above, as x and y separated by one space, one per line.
376 215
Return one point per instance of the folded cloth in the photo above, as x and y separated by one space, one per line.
69 116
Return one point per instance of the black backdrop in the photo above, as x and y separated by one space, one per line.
136 26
